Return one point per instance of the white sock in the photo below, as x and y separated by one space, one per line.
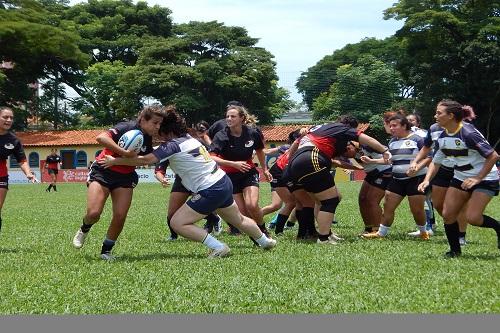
421 228
262 240
212 242
383 230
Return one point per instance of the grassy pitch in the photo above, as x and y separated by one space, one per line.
41 273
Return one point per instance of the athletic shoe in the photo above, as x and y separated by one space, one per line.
217 227
171 238
425 235
336 237
107 256
272 225
330 241
414 233
219 253
417 233
452 254
462 241
289 225
270 244
79 238
373 235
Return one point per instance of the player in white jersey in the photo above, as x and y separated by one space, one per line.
378 177
416 122
403 147
475 180
212 189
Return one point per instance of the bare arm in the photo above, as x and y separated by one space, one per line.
132 161
488 164
27 171
431 172
262 161
269 151
375 145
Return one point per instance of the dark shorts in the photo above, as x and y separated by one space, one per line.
112 179
406 187
310 169
219 195
178 187
379 179
52 171
278 180
443 177
242 180
4 182
490 187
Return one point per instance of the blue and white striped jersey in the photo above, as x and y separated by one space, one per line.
403 152
368 167
189 159
467 149
431 142
419 131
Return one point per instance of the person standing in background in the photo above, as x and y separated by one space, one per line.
52 163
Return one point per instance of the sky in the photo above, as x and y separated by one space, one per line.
299 33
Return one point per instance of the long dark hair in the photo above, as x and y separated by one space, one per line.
459 111
173 122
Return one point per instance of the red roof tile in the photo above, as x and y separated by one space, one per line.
58 138
87 137
280 132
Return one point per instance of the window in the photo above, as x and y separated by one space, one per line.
34 160
13 162
81 159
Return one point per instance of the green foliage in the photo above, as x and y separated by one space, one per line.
205 65
452 51
36 46
356 88
318 79
42 273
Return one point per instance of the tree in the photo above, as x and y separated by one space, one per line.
318 79
368 88
34 47
452 49
200 69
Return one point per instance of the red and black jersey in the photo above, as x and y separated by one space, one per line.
10 145
331 139
52 161
115 133
234 148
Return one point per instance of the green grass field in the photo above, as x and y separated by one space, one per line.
41 273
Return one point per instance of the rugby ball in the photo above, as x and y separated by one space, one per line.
131 140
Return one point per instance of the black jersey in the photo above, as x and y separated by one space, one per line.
331 139
52 161
234 148
115 133
10 145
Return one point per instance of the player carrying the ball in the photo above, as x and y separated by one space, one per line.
212 188
117 181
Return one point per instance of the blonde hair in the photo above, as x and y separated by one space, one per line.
248 119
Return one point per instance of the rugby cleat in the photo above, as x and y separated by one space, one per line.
219 253
79 239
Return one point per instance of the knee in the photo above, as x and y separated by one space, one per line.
93 215
329 205
448 216
474 218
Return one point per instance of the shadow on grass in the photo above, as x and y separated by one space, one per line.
467 256
2 250
148 257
